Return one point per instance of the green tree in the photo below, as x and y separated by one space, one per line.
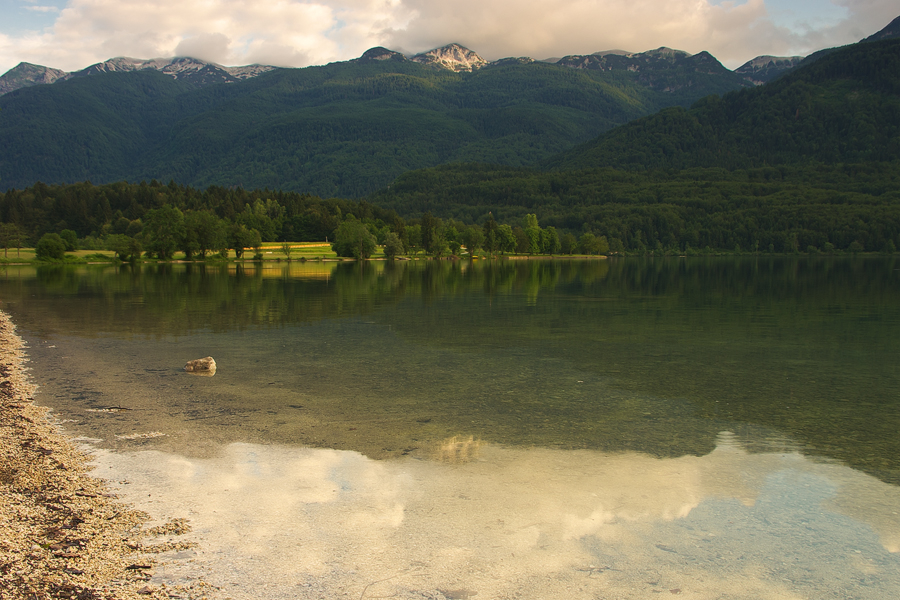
256 243
431 233
240 237
164 231
412 238
206 231
550 241
392 245
533 232
588 243
439 244
50 247
352 238
70 238
491 235
10 236
267 217
126 247
286 249
523 242
568 244
473 238
602 245
506 238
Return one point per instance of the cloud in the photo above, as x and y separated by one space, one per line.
305 32
734 32
205 46
281 32
43 9
525 522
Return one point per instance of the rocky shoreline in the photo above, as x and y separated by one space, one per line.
62 533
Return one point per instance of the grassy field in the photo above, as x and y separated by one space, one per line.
307 250
270 251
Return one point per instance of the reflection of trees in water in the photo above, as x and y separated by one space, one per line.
174 299
164 299
800 345
458 449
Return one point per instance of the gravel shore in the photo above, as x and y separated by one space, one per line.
62 533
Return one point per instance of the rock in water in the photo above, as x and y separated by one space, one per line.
201 366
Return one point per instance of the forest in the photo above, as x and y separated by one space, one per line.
843 107
810 209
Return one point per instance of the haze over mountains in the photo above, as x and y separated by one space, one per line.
351 128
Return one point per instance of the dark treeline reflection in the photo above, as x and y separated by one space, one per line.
171 299
802 347
175 299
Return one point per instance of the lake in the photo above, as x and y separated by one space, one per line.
624 428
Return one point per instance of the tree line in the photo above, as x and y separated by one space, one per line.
820 208
785 209
159 220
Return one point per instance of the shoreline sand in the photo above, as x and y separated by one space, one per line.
62 533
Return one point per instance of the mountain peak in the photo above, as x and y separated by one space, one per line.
763 69
381 53
512 60
614 52
665 52
892 30
454 57
26 74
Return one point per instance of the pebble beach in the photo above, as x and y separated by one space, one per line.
63 534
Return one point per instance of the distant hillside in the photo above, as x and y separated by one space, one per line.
344 129
808 162
844 107
197 72
764 69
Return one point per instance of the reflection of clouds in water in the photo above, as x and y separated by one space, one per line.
535 522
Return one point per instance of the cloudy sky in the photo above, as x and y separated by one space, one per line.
73 34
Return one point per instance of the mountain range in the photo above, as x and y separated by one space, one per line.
189 69
351 128
343 129
453 57
832 124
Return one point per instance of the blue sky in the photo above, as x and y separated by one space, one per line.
72 34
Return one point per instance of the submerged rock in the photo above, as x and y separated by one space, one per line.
201 366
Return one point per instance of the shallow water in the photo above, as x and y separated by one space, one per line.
533 429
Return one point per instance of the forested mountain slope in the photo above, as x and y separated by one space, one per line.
811 160
344 129
844 107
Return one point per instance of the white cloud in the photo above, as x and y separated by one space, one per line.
282 32
732 31
205 46
43 9
304 32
